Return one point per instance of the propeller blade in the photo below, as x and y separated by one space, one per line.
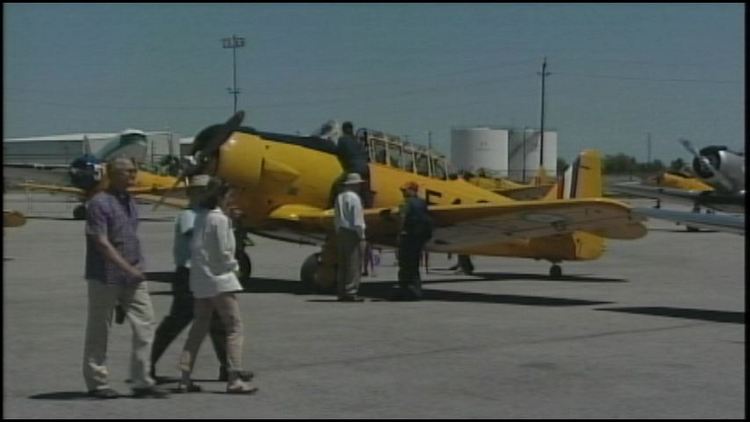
86 145
222 135
180 178
197 163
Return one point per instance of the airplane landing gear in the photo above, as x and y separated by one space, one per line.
79 212
318 272
246 268
555 271
309 270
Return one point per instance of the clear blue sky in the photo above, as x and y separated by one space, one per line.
618 71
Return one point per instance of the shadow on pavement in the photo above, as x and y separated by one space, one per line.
687 313
63 395
383 290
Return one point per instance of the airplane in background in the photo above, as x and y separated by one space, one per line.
86 175
281 185
721 188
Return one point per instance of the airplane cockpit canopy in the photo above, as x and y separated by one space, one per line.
392 151
131 143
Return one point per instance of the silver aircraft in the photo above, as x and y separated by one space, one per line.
719 167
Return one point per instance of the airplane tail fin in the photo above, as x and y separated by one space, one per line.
583 179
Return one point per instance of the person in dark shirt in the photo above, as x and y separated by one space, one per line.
181 312
353 158
114 273
415 231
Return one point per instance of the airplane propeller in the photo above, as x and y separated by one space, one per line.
705 165
204 151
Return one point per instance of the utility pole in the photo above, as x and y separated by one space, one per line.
234 43
541 134
523 177
648 146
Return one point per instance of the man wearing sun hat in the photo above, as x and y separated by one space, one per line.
349 223
181 312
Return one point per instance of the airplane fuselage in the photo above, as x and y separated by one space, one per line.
269 171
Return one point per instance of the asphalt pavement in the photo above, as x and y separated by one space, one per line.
653 329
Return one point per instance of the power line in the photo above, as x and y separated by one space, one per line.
116 107
630 78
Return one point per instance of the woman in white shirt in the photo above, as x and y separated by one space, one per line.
213 282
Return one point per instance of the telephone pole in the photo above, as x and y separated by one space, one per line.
234 43
648 147
541 134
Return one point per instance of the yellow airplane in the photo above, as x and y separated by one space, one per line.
281 184
87 174
681 180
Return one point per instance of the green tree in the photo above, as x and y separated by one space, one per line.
677 164
618 164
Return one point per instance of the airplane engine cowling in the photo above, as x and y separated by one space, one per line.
729 164
85 172
241 160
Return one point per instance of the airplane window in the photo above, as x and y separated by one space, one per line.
438 170
394 155
408 161
379 150
422 165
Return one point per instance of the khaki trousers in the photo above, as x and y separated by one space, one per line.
228 308
348 262
136 302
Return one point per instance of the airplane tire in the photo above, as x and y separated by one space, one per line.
308 270
246 269
79 212
555 271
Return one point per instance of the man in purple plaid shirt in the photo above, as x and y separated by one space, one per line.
114 272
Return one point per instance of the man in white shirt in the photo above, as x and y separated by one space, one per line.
350 238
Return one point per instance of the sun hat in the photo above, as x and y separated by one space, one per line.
353 179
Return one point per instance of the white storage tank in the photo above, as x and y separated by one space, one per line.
480 147
524 151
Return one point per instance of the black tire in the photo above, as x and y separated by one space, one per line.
555 271
246 269
308 270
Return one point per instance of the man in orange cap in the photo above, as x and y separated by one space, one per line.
416 230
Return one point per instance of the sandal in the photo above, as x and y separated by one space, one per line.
241 388
188 388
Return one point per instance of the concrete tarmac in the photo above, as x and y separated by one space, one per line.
653 329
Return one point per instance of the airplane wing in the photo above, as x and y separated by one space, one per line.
463 226
731 223
37 166
12 218
151 198
136 190
687 197
54 188
724 202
